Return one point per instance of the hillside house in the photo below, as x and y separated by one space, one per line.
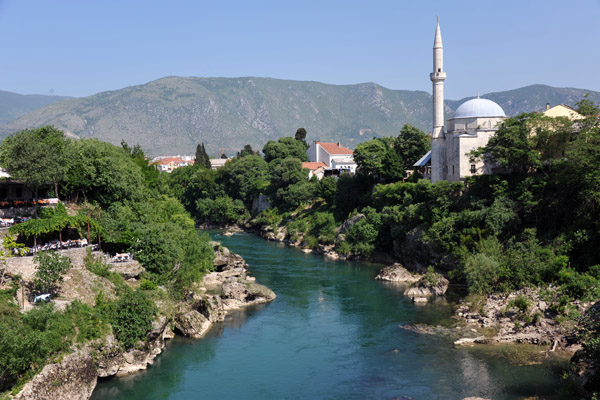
336 157
168 164
315 169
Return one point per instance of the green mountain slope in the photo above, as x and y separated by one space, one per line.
532 98
173 114
13 105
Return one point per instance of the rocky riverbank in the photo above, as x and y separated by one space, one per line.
75 375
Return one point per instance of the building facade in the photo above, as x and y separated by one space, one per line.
336 157
471 127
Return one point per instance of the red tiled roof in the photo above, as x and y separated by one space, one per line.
334 148
177 160
313 165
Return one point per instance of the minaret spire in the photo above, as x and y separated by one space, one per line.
438 76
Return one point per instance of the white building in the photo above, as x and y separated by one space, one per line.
315 169
471 127
336 157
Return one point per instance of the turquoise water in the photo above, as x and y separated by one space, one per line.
332 333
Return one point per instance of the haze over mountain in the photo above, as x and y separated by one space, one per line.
173 114
13 105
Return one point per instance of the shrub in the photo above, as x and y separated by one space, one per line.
131 317
521 303
50 270
145 284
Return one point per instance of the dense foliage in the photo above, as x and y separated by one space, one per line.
116 200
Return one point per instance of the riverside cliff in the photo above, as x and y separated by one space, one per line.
75 375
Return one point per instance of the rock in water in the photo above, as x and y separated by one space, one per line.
397 273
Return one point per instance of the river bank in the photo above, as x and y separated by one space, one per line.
75 375
333 332
526 316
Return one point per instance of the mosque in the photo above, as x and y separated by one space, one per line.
471 126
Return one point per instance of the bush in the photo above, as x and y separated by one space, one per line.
145 284
322 226
521 303
50 270
131 317
222 210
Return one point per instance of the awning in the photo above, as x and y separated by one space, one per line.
423 160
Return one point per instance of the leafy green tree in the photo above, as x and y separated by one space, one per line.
131 317
285 147
104 173
289 185
379 158
587 107
370 157
35 156
50 270
244 178
150 172
512 147
301 136
247 151
222 210
410 145
327 188
189 184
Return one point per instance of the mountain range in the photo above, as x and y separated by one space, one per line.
14 105
173 114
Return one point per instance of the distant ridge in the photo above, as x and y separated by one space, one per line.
14 105
173 114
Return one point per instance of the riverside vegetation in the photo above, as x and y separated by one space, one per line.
533 223
119 202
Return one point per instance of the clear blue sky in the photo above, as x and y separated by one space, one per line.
81 47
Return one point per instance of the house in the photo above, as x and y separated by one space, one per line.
315 169
562 110
168 164
336 157
216 163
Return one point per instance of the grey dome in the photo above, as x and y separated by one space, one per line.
475 108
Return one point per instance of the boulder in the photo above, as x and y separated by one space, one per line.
191 323
424 288
74 378
397 273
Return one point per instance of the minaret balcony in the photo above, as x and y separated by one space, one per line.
437 76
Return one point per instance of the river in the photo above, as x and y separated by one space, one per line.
332 333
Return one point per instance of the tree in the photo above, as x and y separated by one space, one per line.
150 172
285 147
370 157
202 158
35 156
50 270
411 144
103 172
301 136
247 151
512 147
244 178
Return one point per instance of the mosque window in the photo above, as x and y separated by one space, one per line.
473 168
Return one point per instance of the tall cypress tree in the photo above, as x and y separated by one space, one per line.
202 157
206 158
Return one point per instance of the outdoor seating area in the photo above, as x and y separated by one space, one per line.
54 245
8 203
122 257
8 222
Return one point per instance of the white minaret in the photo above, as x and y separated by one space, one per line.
438 141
